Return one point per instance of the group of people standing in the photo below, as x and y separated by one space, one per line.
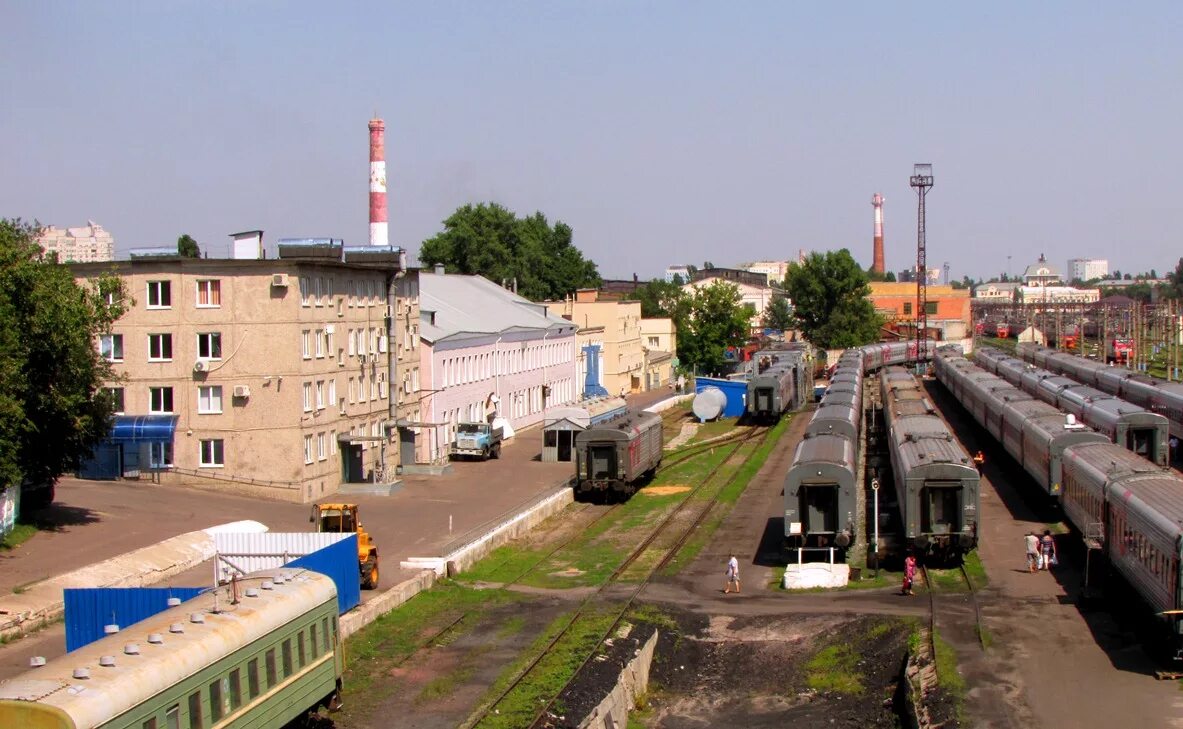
1041 551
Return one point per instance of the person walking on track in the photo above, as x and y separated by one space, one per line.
979 460
1032 543
1047 550
732 574
909 574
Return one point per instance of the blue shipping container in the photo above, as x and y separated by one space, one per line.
736 392
337 561
88 609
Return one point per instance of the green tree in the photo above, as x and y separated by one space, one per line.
829 293
188 247
1173 288
489 240
778 315
717 319
52 408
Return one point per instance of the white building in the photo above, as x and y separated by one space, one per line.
995 291
774 270
85 244
1087 269
756 298
1056 295
681 271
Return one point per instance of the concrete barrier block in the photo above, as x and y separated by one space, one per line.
816 574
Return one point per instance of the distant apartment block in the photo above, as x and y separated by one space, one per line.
86 244
681 271
1087 269
774 270
274 373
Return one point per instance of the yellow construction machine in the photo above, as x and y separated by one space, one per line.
345 519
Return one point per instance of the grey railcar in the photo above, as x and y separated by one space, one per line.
935 479
772 392
1130 426
820 493
1087 469
616 456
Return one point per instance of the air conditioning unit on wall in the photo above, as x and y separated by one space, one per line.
279 280
200 365
242 391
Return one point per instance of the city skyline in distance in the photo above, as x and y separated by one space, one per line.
662 134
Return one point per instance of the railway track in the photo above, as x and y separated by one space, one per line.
701 494
970 591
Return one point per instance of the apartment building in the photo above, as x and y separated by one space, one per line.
622 364
659 343
276 371
774 270
1087 269
82 244
408 411
486 354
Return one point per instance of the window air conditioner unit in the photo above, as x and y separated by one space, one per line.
200 365
279 280
242 391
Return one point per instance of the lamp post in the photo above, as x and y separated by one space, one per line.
921 179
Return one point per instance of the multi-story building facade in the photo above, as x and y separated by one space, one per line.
996 292
680 270
948 308
276 371
407 362
1087 269
659 343
487 353
83 244
774 270
623 361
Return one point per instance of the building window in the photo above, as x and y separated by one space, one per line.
209 399
361 388
307 449
160 399
307 397
209 345
907 308
209 293
160 347
328 343
332 452
352 392
322 447
653 342
306 344
111 347
320 394
116 395
212 454
332 392
930 307
160 455
320 344
160 294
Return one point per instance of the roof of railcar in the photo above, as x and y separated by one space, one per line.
1157 498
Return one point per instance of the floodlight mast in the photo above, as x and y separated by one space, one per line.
921 179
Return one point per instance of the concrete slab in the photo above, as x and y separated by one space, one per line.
810 575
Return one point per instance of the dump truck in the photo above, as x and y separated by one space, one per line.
345 519
480 440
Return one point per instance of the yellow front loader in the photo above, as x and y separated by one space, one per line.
345 519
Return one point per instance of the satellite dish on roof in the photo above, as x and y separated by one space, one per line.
709 404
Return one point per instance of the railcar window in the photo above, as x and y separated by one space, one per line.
312 640
149 724
235 690
215 700
269 658
195 721
287 657
300 649
324 625
172 717
252 678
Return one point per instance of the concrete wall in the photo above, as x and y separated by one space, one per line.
633 681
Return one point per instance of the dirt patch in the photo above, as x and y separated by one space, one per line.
663 490
759 671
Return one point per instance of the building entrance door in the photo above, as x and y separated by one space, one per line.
406 446
351 463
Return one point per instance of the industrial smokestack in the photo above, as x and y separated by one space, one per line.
877 256
378 232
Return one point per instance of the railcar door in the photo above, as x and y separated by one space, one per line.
1142 441
763 399
602 461
819 505
940 511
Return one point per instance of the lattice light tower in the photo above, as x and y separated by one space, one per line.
921 179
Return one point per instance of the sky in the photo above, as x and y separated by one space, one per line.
661 132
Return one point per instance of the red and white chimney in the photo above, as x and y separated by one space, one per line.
378 231
877 255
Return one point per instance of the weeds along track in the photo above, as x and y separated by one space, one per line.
704 495
742 434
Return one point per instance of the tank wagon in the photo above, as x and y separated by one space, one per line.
936 481
616 456
1157 396
1131 506
821 492
263 661
1130 426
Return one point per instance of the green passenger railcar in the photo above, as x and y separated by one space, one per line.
215 662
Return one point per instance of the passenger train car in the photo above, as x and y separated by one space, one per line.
1130 505
264 660
936 481
1130 426
781 380
823 484
1151 393
618 455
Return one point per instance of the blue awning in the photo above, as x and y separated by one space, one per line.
143 428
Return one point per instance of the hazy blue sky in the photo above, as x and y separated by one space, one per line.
662 132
